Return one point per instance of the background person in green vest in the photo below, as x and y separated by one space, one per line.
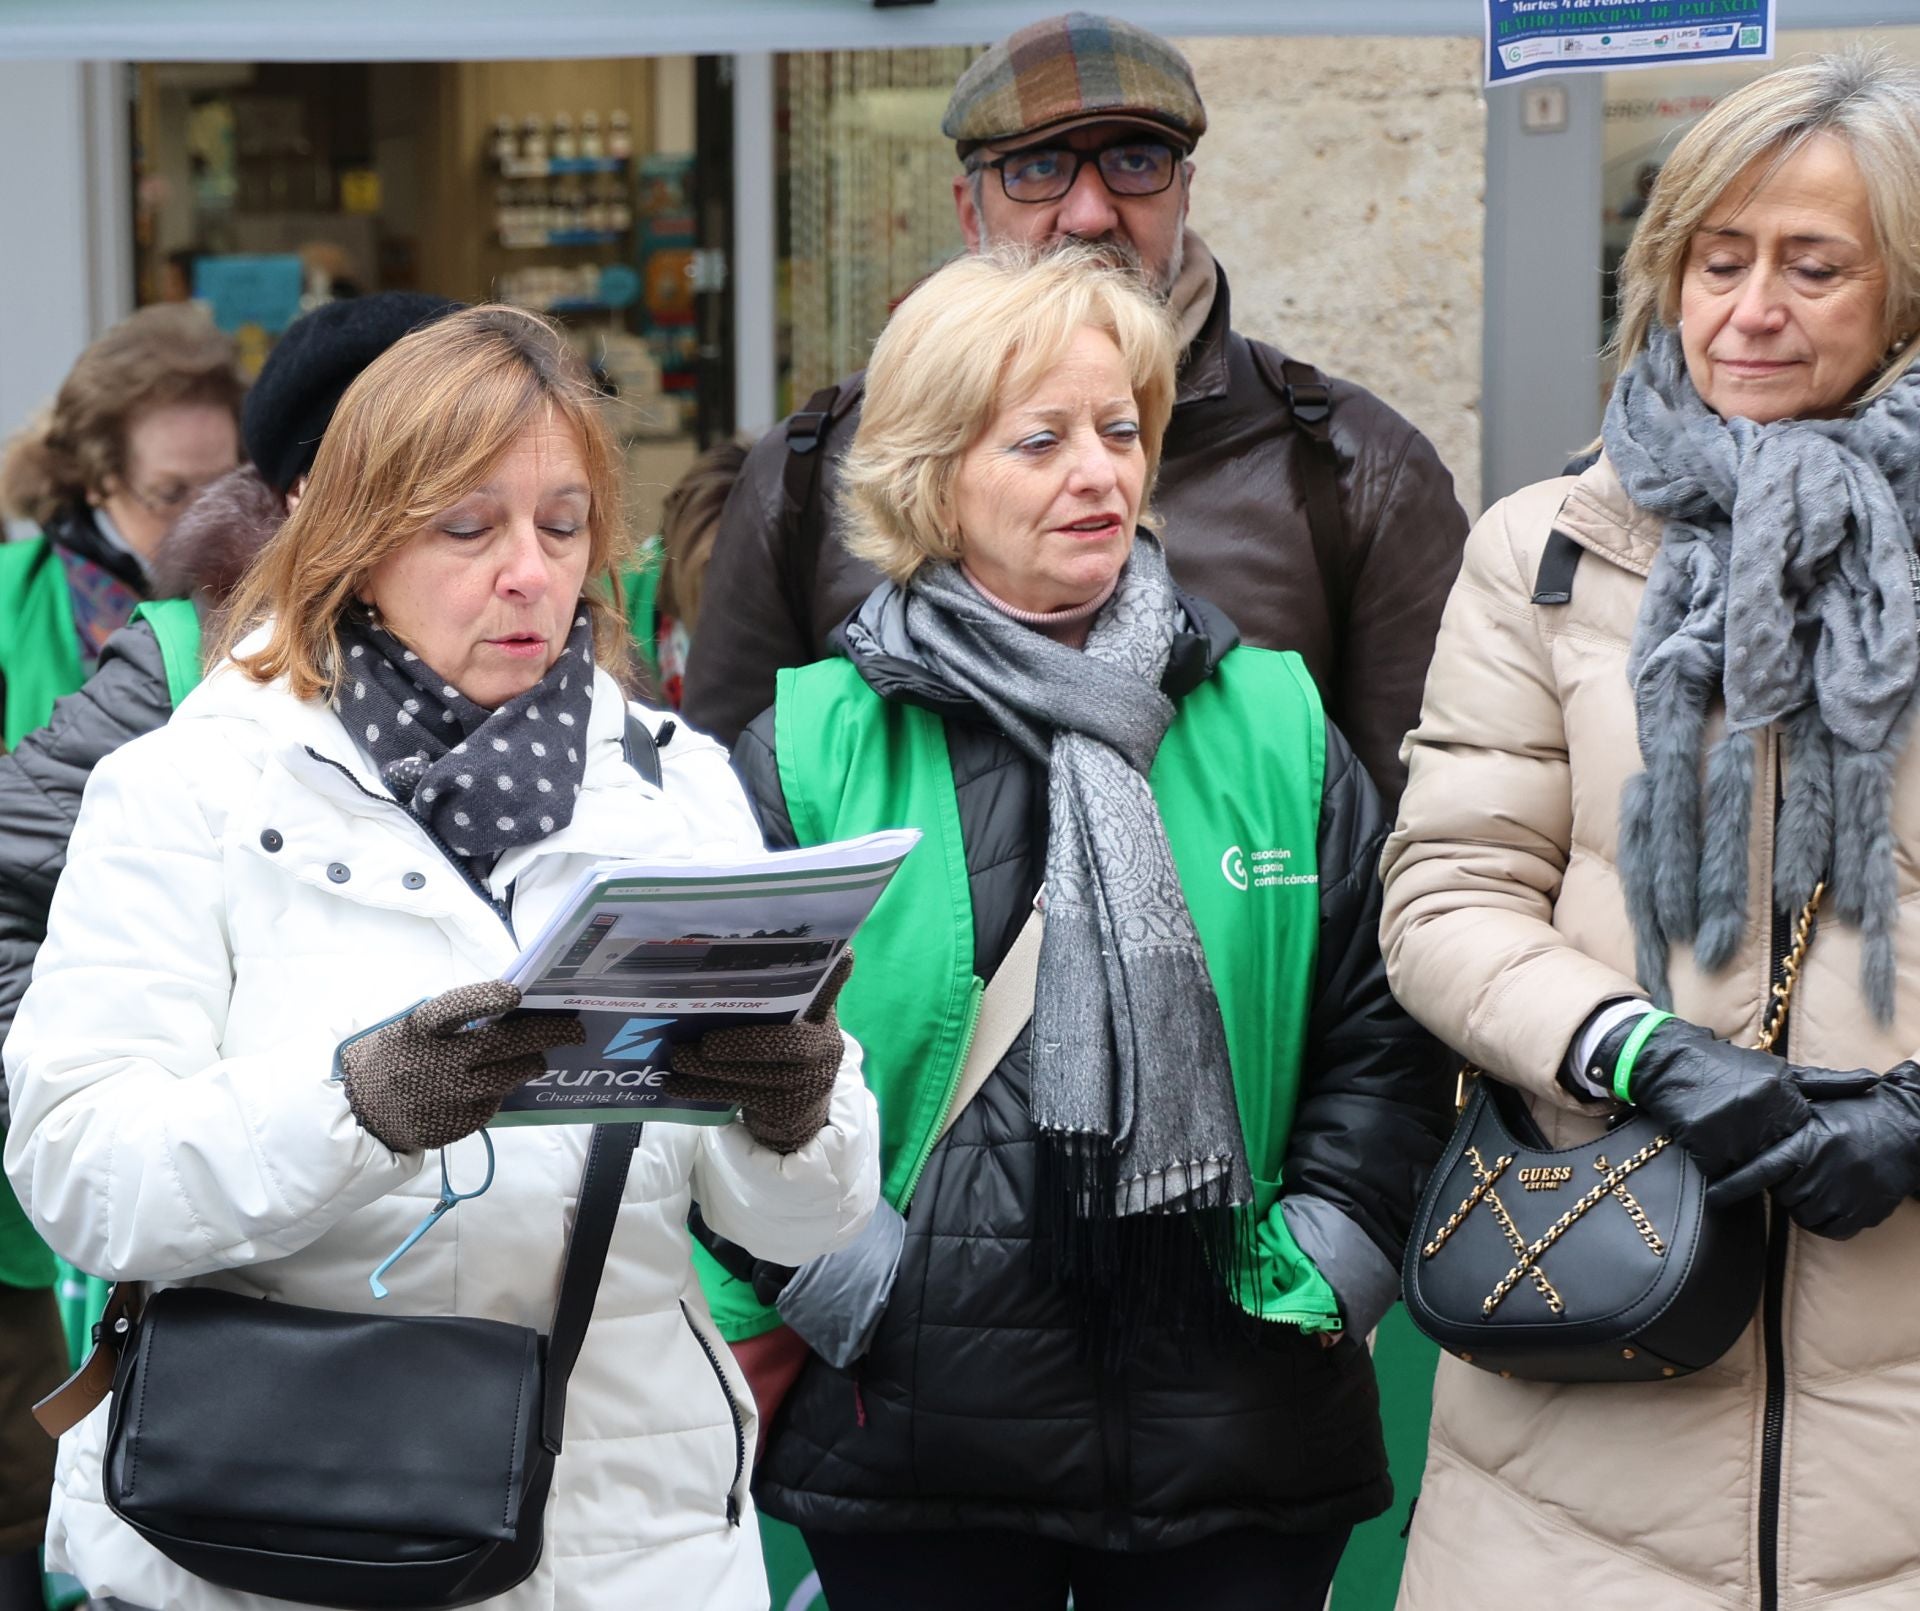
663 586
1122 1354
148 416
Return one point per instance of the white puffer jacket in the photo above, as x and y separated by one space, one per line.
236 902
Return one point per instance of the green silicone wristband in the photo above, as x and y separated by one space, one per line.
1623 1065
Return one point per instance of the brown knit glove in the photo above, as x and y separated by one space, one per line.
780 1075
423 1080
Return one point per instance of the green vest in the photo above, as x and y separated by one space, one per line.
24 1259
40 661
176 628
1237 782
640 587
40 657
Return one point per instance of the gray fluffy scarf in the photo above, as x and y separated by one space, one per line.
1785 584
1131 1083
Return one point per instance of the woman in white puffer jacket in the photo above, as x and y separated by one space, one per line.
272 873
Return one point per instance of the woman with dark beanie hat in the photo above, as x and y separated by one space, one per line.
284 417
311 367
130 693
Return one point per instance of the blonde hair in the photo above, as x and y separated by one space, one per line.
984 328
1861 97
416 431
160 356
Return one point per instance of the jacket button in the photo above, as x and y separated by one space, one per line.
414 880
339 872
270 839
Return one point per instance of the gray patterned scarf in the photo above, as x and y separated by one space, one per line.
1131 1082
1786 583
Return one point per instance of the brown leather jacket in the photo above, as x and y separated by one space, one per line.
1236 533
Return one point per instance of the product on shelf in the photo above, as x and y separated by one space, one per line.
533 140
619 136
564 182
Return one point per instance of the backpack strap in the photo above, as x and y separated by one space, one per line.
1308 400
642 749
176 628
803 516
1553 582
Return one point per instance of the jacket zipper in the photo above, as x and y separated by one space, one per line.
1773 1305
500 909
733 1412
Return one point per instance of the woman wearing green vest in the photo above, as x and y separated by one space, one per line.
1124 1352
148 416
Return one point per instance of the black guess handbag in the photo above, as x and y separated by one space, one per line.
1605 1262
344 1459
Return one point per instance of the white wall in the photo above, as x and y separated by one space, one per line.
66 273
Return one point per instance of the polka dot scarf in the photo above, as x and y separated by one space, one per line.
482 780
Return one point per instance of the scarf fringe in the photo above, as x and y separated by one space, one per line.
1823 788
1640 876
1803 836
1173 1269
1864 883
1678 685
1722 899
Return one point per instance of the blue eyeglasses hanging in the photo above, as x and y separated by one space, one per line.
449 1200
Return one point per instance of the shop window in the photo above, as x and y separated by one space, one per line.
571 187
866 207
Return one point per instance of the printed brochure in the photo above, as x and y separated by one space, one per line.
650 953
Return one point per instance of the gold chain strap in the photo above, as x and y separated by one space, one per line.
1790 973
1531 1254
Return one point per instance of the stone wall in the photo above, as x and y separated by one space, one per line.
1341 183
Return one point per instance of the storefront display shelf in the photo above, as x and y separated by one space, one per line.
530 240
545 167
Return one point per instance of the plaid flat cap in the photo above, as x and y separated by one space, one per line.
1069 70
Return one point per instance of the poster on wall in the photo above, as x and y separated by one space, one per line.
1525 37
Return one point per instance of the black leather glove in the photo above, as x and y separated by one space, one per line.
780 1075
424 1079
1851 1164
1724 1103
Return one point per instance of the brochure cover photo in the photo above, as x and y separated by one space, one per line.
652 953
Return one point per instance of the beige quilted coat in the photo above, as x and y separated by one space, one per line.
1505 926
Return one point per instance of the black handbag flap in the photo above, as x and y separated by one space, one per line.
1618 1215
264 1413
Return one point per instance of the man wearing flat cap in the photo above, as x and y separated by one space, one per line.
1315 515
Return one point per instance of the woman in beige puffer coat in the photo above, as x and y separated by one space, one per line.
1760 290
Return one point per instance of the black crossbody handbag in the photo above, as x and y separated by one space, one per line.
1606 1262
341 1459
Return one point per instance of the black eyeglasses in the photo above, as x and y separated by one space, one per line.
1046 173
